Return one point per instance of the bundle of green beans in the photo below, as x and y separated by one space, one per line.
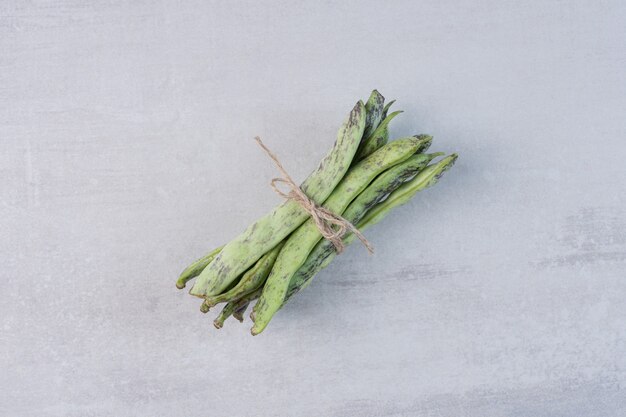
362 178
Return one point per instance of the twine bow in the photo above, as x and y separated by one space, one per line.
324 219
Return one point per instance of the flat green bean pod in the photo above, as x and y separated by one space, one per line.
374 109
240 311
386 108
196 268
377 139
251 279
226 312
235 306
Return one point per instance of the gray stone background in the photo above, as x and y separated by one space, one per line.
126 152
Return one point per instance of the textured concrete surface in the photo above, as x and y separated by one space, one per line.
126 151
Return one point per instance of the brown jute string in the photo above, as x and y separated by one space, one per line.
324 219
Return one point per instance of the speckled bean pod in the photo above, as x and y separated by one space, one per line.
252 279
196 268
377 139
235 306
374 110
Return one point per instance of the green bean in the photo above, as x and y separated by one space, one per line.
240 311
383 135
267 232
251 279
206 306
323 254
235 306
302 240
248 298
196 268
425 142
377 139
386 108
427 178
226 312
374 110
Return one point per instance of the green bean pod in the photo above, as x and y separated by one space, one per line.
206 306
240 311
262 236
426 178
251 279
374 109
226 312
303 239
377 139
196 268
234 306
425 142
383 138
383 135
386 108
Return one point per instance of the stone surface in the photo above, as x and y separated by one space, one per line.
126 151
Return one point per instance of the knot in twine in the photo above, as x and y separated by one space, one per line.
324 219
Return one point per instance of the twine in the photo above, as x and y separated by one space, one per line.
324 219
